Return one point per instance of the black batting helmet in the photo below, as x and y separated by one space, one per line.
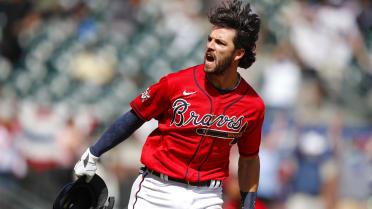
82 195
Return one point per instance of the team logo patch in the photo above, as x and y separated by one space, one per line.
145 95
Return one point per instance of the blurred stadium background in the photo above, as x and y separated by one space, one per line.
69 68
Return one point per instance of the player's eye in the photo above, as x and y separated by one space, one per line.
220 42
209 39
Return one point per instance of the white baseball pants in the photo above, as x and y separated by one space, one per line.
151 192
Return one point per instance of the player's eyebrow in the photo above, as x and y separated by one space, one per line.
218 41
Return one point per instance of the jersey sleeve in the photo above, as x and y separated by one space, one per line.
249 144
153 101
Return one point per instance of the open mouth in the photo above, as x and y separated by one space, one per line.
209 57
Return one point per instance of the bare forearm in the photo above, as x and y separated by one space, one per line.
248 174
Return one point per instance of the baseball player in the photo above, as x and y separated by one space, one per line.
202 112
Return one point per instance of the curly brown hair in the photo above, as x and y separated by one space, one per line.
233 14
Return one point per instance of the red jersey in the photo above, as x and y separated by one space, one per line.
198 125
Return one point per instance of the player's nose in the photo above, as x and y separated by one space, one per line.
210 46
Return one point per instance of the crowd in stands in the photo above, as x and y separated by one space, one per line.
69 68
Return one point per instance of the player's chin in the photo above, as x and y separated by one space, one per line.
209 67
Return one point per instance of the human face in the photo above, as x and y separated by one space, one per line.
219 53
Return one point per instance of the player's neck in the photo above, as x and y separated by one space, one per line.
227 80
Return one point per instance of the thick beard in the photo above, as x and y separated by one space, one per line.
223 65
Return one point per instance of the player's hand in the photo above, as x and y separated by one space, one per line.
86 166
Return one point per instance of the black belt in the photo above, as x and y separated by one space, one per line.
209 183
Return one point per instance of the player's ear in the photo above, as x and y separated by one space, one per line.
238 54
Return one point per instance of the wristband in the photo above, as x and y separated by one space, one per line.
248 200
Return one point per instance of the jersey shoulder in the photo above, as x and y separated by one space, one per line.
181 78
183 74
254 97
